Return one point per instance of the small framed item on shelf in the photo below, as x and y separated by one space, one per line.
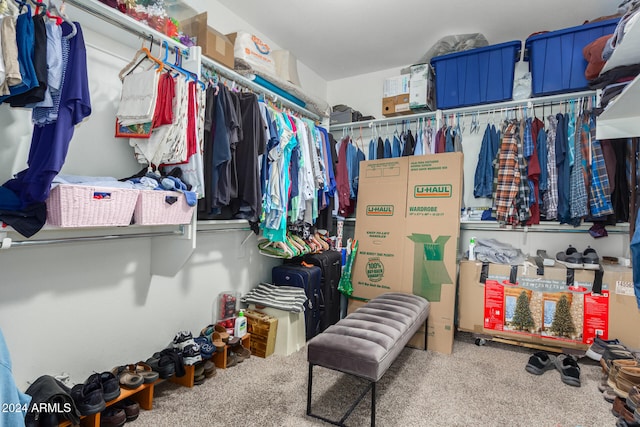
140 130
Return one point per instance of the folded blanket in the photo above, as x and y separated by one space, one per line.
287 298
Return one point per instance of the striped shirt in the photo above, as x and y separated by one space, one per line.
287 298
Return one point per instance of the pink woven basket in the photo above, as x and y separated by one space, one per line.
162 207
87 206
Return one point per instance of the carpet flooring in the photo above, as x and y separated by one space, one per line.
475 386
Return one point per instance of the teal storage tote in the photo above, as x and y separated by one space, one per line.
555 58
476 76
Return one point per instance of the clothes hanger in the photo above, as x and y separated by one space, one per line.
57 6
140 56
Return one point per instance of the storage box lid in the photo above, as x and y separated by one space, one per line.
512 44
572 30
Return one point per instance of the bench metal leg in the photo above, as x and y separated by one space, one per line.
426 332
371 386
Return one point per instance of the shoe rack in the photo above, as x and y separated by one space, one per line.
220 357
143 395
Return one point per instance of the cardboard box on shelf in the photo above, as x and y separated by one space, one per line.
397 85
396 105
408 229
214 45
556 309
422 88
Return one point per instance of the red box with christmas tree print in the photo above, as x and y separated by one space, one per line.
556 308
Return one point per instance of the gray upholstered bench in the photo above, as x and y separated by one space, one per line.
366 342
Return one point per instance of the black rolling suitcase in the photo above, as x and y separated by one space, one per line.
307 278
330 262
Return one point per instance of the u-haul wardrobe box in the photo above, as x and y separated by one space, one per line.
407 229
557 308
432 231
382 197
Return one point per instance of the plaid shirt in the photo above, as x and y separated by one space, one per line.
578 189
599 191
507 176
551 196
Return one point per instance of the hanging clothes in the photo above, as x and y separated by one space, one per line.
599 191
345 207
39 61
483 177
564 168
551 196
50 143
506 176
579 203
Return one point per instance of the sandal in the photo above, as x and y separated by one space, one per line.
143 369
127 378
224 335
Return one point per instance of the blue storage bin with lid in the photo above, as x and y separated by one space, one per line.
555 58
476 76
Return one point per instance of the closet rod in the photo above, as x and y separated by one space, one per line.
397 119
483 108
243 81
90 239
530 102
120 20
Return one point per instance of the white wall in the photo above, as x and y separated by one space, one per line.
362 93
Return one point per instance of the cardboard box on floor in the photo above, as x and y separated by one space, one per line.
554 312
407 227
214 45
624 315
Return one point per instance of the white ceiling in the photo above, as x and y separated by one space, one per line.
343 38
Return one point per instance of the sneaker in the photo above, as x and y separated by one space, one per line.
540 362
590 259
110 386
191 354
206 348
183 339
88 397
569 370
570 258
597 348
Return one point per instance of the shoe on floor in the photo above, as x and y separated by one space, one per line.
209 369
626 379
540 362
621 410
113 417
569 370
598 346
633 399
571 258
